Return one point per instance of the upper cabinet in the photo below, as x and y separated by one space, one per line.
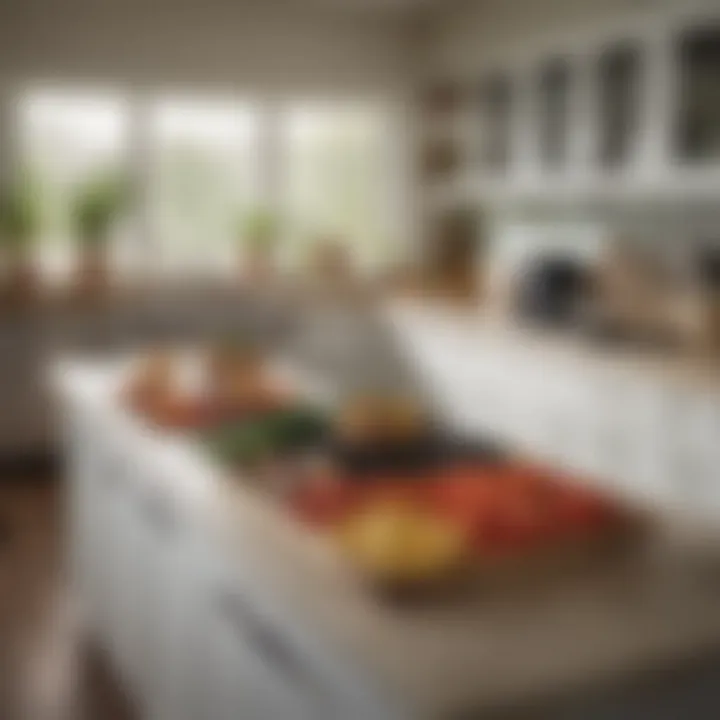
554 113
441 152
495 100
632 110
698 108
619 95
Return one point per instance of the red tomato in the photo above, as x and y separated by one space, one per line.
480 502
581 510
463 492
524 520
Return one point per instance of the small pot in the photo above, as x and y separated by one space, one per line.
21 279
332 260
258 263
92 272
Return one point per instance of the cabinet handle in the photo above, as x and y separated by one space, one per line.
273 649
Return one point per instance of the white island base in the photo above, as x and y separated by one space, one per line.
212 605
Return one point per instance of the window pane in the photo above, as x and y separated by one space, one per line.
699 122
205 176
338 180
67 138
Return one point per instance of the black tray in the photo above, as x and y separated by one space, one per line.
423 455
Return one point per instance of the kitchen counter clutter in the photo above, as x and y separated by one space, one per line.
218 599
408 506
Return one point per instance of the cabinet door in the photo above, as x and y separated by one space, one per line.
698 125
125 556
153 594
183 663
619 75
84 497
495 101
554 106
107 530
263 663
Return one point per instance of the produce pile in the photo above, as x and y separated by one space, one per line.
204 389
425 526
404 504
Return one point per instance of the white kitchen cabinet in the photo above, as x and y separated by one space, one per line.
151 588
607 111
194 633
625 426
80 503
125 549
251 674
696 451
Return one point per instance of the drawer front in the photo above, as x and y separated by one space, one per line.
306 677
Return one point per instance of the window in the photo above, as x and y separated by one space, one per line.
205 176
554 113
67 138
200 164
699 107
338 176
619 76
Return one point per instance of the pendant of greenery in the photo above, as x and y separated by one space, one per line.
97 205
20 216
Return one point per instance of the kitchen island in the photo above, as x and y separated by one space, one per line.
212 603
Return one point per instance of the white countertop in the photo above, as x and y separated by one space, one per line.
478 651
680 368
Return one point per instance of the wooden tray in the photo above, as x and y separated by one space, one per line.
523 570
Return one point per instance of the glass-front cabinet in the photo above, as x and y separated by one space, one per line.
643 101
618 92
697 130
496 107
554 119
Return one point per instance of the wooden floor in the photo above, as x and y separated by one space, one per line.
47 670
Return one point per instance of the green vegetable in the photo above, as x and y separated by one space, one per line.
274 433
97 205
20 214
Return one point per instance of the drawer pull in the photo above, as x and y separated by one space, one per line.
263 639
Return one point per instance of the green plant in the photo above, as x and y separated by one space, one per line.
96 206
259 229
20 214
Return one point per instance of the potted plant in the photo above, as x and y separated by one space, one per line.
259 235
97 206
19 226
